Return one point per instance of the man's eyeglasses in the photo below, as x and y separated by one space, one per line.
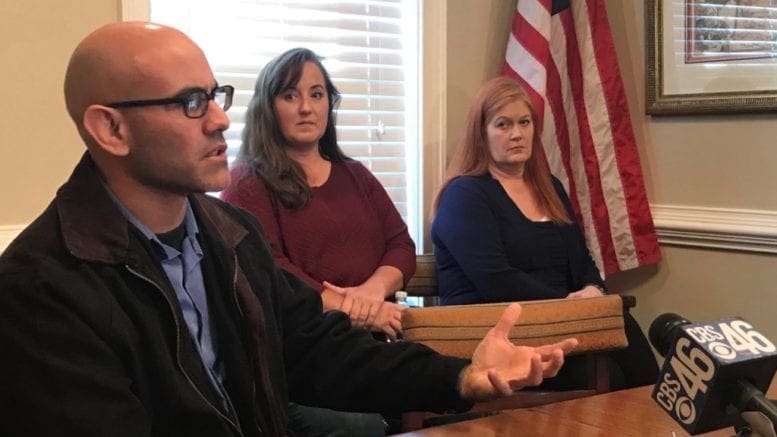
194 103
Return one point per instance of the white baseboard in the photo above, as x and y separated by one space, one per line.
8 233
719 228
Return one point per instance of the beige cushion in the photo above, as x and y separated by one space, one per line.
456 330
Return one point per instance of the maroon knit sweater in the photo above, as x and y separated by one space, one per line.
349 228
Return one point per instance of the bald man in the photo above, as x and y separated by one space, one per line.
135 305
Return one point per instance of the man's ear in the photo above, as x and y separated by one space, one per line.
108 129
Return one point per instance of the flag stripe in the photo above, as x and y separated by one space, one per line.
531 70
530 73
601 219
534 11
564 140
532 41
568 65
640 221
600 121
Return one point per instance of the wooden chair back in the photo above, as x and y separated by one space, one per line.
424 282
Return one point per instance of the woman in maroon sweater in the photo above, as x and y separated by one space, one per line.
327 218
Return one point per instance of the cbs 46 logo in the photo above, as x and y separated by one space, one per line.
679 405
691 370
733 337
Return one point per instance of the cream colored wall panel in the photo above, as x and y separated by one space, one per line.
705 285
39 142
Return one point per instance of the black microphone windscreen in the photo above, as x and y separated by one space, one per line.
663 331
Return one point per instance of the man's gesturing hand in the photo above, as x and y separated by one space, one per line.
500 368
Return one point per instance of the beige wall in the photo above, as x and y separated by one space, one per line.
38 140
727 162
474 55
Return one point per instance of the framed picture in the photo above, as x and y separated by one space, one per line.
711 56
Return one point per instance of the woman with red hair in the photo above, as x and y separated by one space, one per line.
504 229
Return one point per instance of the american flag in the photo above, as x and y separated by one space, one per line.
562 53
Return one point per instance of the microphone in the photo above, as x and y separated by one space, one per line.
712 372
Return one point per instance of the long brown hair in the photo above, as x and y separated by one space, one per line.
472 157
264 147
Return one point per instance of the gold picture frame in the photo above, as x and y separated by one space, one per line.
710 61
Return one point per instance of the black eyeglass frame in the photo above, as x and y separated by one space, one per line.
227 90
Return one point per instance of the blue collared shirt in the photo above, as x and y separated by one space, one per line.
185 274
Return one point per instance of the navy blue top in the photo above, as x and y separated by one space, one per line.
488 251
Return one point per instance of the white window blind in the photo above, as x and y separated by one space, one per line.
370 49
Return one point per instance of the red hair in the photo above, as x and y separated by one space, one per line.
472 157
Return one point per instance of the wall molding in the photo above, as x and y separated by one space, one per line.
744 230
8 233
